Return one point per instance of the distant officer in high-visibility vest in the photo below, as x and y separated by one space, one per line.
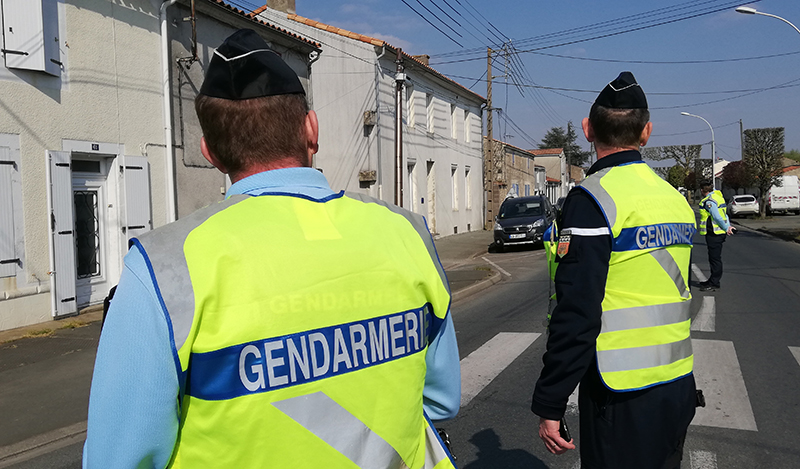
621 324
715 226
288 326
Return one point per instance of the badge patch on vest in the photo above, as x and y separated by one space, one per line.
563 243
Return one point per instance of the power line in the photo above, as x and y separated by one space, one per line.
694 131
668 62
488 39
672 19
428 21
441 20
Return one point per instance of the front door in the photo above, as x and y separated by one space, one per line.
89 197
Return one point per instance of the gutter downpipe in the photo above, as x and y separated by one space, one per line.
167 95
378 122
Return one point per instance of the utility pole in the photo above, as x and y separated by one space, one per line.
400 79
741 138
489 160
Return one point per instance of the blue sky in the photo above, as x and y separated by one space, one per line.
718 36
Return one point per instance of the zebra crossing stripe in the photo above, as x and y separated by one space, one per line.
699 273
717 372
796 352
703 460
483 365
706 317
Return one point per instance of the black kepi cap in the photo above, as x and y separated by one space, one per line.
245 67
622 93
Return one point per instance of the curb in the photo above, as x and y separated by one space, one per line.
42 444
476 287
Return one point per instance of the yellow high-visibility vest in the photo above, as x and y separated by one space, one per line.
705 215
644 338
301 332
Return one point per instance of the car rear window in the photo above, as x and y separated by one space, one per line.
515 209
744 198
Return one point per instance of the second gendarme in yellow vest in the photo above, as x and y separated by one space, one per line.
705 215
644 339
301 335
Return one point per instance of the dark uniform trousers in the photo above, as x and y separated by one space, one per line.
636 429
714 244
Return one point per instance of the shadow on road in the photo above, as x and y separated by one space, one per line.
491 455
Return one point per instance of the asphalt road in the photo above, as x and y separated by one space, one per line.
747 360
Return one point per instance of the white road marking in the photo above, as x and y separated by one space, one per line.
703 460
717 372
796 352
706 317
496 267
699 273
480 367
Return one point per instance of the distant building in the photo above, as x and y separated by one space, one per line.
515 175
555 163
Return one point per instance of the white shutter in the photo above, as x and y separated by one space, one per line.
30 33
137 196
8 257
62 225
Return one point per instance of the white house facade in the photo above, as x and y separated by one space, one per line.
354 96
84 141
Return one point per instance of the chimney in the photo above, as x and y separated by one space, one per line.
286 6
425 59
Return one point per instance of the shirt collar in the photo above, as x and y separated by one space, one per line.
291 180
615 159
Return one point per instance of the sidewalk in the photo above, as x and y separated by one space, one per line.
46 369
786 227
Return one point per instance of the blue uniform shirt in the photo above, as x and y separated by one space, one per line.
133 407
713 210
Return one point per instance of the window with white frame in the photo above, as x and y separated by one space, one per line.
30 35
467 127
429 109
527 190
513 158
412 115
11 234
467 188
453 121
454 183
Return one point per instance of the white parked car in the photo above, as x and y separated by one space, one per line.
743 205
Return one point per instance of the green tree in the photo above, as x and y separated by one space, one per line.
685 158
792 155
763 153
676 176
557 137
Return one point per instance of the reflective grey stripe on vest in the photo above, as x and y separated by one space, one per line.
340 429
164 249
638 358
668 263
645 316
417 221
336 426
592 185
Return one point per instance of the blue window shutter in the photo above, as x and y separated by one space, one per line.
138 219
62 224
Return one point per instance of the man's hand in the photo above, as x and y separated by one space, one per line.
731 230
548 432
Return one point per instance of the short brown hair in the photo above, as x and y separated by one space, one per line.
242 133
618 128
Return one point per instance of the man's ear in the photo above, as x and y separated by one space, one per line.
312 135
210 156
588 131
648 129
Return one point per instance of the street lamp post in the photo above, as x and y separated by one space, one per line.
713 150
753 11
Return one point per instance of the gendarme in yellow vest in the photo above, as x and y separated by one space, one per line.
705 215
300 328
644 339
